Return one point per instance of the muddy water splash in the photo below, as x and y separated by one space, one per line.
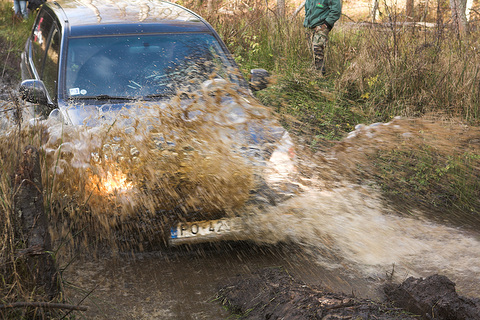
347 226
350 229
127 175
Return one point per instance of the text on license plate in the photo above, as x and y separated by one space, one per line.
201 228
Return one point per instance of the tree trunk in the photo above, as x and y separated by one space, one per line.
374 7
468 9
281 8
29 206
300 7
409 10
459 17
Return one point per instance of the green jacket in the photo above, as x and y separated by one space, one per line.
318 12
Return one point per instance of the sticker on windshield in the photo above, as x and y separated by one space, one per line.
74 91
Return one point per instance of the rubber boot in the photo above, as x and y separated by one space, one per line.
320 65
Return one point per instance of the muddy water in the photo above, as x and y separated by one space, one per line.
343 239
182 283
350 229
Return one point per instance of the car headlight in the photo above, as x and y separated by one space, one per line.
111 182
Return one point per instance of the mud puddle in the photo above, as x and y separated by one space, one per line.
334 233
182 283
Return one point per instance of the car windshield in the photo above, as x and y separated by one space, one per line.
144 66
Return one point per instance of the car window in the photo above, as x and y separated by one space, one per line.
50 73
40 35
140 66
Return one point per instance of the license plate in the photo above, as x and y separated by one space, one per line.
200 231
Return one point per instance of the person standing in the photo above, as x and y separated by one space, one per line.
320 16
20 8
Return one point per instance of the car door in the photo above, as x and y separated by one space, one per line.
40 61
44 51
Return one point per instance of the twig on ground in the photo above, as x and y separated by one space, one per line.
43 305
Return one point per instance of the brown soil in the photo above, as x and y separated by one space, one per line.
9 70
274 294
433 298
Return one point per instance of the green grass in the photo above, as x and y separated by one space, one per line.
431 179
12 40
308 107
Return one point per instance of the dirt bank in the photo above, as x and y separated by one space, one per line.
434 297
274 294
9 71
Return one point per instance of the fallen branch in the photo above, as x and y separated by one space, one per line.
343 304
43 305
300 7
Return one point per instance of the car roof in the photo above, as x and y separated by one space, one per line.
102 17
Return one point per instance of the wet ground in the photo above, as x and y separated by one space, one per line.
342 240
274 294
183 282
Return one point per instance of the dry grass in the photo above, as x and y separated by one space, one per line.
412 72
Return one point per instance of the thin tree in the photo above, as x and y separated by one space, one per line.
281 8
409 5
459 17
469 9
374 8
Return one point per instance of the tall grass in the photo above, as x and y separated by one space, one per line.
18 281
389 70
412 72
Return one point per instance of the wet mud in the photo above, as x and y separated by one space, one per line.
434 297
183 282
274 294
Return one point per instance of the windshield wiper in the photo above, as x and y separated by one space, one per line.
159 95
104 97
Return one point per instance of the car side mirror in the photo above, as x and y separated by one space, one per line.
34 91
259 79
